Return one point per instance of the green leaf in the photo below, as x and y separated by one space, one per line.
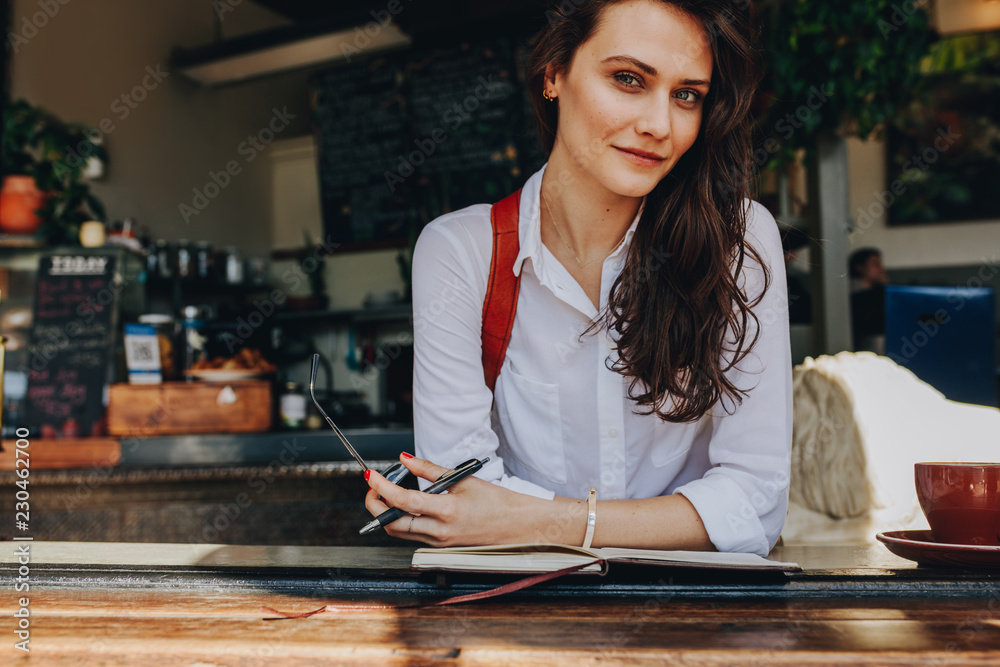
35 144
839 46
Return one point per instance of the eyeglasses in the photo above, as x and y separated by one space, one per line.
394 473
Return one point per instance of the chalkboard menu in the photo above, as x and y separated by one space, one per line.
72 341
361 122
407 137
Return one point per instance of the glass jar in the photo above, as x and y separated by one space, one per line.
292 405
163 260
314 421
185 259
166 334
204 261
152 262
257 271
194 338
232 265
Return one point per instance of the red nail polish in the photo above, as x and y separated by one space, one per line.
405 455
368 473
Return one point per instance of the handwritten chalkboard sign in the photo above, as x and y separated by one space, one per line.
72 342
410 136
361 125
465 105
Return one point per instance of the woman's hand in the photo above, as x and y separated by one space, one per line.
471 512
475 512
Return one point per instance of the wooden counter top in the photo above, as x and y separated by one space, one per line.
374 571
186 604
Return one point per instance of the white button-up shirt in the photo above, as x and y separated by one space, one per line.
562 421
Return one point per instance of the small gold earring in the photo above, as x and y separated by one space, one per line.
548 96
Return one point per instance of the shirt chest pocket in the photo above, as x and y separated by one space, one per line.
532 424
674 441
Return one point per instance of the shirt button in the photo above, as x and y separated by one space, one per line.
613 433
614 496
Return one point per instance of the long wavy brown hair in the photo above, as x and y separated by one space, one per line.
682 318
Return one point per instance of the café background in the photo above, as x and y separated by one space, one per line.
91 53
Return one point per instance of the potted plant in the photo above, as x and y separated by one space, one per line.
43 160
836 69
311 260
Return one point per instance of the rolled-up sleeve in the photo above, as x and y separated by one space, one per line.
451 402
743 498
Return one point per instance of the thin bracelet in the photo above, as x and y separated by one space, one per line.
591 518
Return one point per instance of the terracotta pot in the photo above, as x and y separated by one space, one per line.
19 199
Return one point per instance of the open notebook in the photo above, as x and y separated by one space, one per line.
516 558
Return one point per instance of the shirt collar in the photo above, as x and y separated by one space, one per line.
529 232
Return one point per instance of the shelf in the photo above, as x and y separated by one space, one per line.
214 449
12 245
390 313
162 285
65 453
12 241
304 446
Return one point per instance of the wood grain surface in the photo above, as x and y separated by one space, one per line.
205 627
189 408
65 453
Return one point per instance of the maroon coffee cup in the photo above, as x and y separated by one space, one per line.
961 501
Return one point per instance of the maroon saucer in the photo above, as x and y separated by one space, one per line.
920 546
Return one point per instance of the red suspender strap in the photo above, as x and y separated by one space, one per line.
502 287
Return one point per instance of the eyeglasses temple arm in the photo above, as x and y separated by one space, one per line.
312 394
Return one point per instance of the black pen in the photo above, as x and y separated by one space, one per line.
450 478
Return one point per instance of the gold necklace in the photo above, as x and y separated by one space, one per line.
562 237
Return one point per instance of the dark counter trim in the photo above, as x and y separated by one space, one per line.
116 475
285 447
385 574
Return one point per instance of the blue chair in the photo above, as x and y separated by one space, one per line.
947 337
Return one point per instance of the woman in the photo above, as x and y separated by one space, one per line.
649 357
